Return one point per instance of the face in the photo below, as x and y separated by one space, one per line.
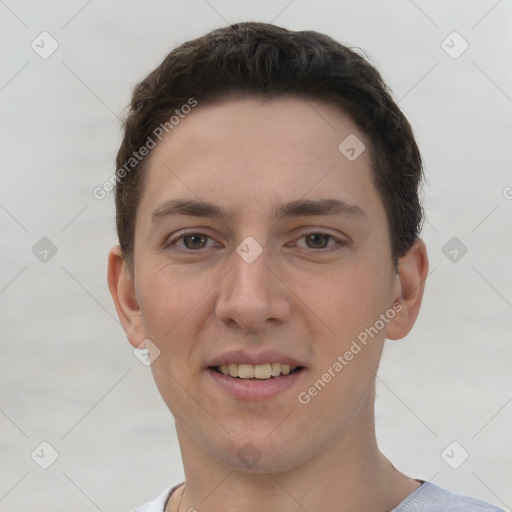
261 248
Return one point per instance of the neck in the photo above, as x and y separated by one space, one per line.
351 475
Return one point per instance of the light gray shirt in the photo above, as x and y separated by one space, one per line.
426 498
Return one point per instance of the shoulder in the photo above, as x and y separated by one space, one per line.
431 498
158 504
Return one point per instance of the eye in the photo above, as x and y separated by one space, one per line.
318 240
195 241
191 242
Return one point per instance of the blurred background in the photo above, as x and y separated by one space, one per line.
82 425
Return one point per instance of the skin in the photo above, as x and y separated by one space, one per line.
246 155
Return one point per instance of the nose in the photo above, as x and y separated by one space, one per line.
252 296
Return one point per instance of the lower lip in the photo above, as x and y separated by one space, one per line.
255 389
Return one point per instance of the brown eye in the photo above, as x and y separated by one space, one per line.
189 242
195 241
318 240
321 242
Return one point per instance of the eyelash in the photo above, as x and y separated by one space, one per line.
171 244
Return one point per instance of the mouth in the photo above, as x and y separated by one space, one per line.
264 371
256 381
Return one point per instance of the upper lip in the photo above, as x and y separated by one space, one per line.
245 357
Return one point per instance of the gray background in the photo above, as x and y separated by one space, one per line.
67 374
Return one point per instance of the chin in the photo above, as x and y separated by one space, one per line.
259 454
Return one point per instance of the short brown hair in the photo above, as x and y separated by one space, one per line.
259 59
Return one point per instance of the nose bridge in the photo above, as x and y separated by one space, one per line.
250 293
249 278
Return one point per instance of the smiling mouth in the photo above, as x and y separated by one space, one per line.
256 371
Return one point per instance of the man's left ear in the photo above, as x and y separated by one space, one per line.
412 273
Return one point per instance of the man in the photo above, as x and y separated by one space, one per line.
268 220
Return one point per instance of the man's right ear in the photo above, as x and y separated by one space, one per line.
122 289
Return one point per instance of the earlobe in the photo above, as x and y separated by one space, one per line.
122 289
412 273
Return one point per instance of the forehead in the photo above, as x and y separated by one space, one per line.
249 154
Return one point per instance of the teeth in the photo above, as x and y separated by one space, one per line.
233 370
276 369
256 371
263 371
246 371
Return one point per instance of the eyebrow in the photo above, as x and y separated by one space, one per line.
297 208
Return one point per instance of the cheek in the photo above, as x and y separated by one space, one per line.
170 306
352 299
168 296
344 375
174 304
